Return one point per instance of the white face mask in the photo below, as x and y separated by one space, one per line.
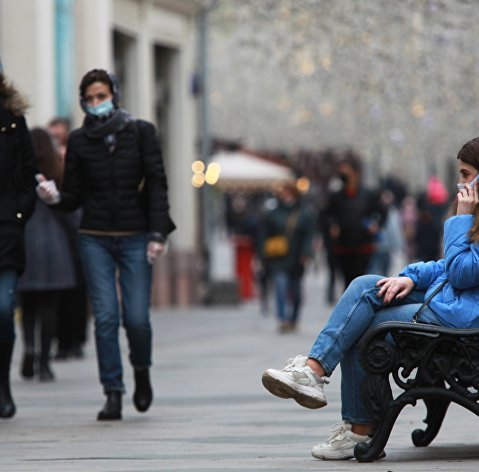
471 183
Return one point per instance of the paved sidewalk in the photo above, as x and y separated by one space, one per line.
211 412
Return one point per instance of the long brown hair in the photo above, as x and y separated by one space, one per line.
48 159
469 154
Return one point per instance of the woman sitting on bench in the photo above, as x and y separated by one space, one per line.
372 299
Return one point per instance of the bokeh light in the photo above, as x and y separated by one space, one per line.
212 173
198 180
198 167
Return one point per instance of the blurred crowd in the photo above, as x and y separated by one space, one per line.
347 229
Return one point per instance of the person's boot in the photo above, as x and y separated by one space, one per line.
112 408
143 395
7 406
45 373
27 370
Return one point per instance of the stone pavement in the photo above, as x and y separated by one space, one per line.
211 412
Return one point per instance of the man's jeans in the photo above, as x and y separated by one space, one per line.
109 261
8 287
359 309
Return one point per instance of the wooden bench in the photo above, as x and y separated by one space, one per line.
437 365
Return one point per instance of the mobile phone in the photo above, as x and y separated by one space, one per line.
471 183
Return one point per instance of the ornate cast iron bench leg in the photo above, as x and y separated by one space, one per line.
378 396
370 451
436 411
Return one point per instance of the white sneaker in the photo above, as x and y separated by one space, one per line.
297 380
340 445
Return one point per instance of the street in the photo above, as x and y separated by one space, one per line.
211 412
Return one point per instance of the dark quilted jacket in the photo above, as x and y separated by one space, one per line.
17 187
108 185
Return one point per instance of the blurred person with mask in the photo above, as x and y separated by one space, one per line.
17 202
353 216
287 245
114 170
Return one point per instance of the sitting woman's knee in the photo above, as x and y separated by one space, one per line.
366 281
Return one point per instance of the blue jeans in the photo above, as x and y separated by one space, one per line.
109 261
288 295
357 310
8 287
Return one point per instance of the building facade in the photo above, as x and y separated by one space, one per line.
47 45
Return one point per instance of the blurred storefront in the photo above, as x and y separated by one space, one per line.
47 45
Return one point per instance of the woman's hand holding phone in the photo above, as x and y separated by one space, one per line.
467 197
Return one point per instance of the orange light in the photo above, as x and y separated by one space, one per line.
198 180
198 167
303 184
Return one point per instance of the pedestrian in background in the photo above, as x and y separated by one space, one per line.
17 202
327 247
72 316
390 241
50 268
114 170
287 246
432 208
409 215
59 128
353 216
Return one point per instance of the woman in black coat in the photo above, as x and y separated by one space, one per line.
114 171
17 202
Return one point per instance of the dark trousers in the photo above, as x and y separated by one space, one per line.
352 266
72 319
288 295
39 309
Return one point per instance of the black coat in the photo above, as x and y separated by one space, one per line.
50 250
17 188
353 214
108 184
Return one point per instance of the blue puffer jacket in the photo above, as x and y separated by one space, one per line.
457 304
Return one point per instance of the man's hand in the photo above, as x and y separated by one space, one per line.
394 287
